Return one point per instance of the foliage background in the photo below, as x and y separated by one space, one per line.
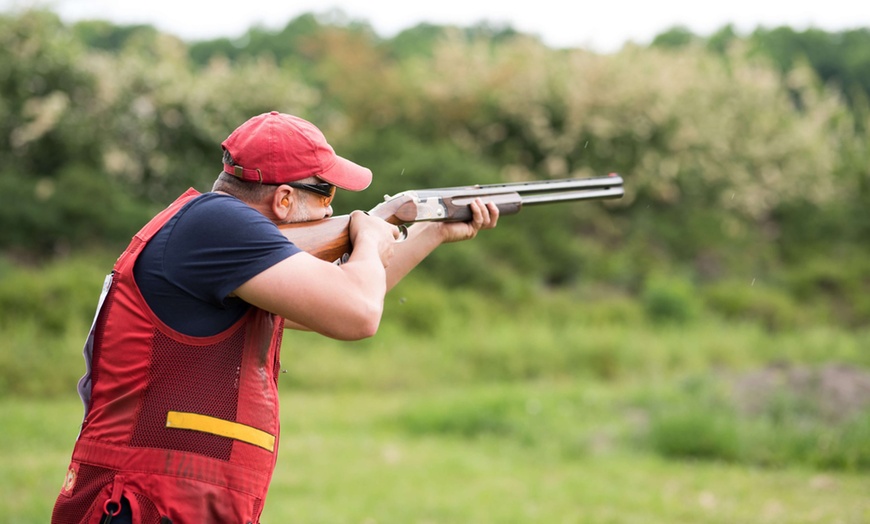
720 309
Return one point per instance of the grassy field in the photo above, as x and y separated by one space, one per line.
564 408
525 452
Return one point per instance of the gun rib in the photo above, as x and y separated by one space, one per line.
542 186
564 196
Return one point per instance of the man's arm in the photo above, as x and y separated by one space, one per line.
343 302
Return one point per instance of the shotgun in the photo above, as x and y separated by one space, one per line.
328 240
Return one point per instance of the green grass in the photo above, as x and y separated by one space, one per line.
517 453
576 406
37 440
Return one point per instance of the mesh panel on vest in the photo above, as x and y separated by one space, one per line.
149 513
78 507
193 379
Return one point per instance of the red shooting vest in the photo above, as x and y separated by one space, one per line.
185 428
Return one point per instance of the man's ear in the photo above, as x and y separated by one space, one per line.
282 202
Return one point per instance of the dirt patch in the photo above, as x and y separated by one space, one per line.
835 392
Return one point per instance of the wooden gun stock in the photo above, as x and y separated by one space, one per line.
329 239
326 239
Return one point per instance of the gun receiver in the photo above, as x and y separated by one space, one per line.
328 239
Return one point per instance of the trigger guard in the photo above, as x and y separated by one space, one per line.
403 233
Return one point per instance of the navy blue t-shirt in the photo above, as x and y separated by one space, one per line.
214 244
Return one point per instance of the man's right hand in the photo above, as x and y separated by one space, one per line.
364 229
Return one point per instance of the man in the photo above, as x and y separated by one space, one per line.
181 402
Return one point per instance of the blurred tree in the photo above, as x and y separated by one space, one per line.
710 148
51 132
675 37
839 58
106 36
419 40
732 165
284 46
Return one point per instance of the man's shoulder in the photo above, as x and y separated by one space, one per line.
222 215
217 203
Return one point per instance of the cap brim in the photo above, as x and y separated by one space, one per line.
347 175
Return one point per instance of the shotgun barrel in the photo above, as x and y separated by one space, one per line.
451 203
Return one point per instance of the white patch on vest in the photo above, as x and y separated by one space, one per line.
84 386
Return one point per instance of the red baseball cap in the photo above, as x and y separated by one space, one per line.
274 148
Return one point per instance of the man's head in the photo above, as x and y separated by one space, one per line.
276 148
272 158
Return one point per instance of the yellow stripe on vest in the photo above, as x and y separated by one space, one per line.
221 427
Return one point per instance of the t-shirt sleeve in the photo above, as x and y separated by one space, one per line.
220 243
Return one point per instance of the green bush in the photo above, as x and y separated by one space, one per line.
670 299
756 302
810 442
45 314
842 282
35 364
484 415
694 432
54 298
775 417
